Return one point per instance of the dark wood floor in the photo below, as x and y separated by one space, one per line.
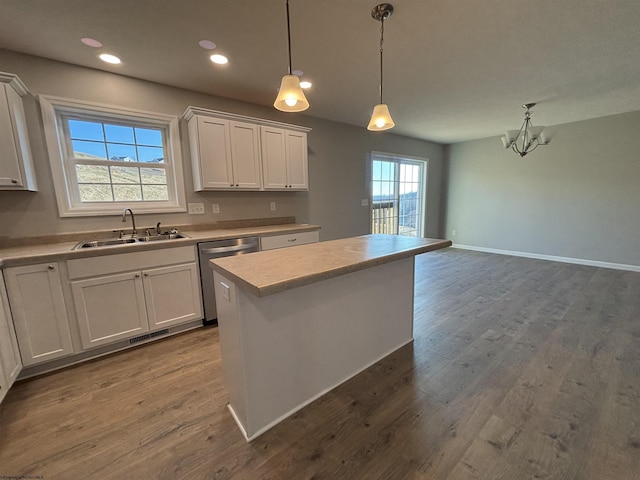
520 369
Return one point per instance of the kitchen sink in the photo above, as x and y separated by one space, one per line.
164 236
129 240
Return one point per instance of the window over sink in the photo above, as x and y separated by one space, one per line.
105 158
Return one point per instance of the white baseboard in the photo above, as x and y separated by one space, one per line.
553 258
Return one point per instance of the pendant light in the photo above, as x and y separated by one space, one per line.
381 118
290 97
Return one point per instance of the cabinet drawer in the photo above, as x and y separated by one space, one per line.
288 240
126 262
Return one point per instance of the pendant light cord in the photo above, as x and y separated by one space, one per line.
289 36
381 44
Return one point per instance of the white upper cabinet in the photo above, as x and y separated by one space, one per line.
245 155
225 154
233 152
274 150
16 164
284 158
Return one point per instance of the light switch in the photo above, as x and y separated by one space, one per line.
196 209
215 207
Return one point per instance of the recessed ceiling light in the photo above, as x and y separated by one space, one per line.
207 44
91 42
297 73
219 59
305 84
107 57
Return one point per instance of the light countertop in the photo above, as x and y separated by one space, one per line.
268 272
60 251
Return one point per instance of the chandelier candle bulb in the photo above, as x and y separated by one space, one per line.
544 138
511 136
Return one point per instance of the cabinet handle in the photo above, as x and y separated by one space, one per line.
13 180
146 274
292 240
137 275
237 184
51 267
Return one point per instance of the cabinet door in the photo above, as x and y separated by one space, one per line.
274 166
109 308
10 363
16 163
10 174
212 159
39 313
172 295
297 160
245 154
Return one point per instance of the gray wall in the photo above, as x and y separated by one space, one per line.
578 197
337 158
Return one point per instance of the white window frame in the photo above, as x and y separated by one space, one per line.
54 109
396 158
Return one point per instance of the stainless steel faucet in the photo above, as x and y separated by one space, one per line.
133 219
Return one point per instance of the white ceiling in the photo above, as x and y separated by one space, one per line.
455 70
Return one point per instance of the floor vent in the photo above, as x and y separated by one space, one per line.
148 336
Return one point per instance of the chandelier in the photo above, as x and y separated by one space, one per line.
528 138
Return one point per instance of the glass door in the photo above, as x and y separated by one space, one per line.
398 187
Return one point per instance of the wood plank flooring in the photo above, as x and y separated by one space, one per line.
520 369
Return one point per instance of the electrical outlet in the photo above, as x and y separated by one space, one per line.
364 202
224 289
196 209
272 206
215 207
454 232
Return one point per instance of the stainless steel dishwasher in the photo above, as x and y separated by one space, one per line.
216 249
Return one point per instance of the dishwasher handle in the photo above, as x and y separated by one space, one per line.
234 248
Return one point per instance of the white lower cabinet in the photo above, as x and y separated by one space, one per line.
172 295
39 312
10 362
112 305
109 308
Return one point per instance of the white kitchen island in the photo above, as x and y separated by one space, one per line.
296 322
